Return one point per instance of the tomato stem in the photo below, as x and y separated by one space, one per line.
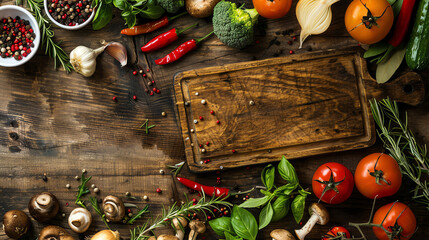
378 174
330 185
369 20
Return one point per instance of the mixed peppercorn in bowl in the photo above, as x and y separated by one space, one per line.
69 14
19 36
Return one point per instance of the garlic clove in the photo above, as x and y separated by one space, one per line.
118 52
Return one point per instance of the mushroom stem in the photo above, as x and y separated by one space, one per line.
43 199
301 233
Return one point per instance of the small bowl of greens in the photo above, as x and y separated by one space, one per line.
69 14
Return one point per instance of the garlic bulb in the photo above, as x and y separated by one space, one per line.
83 59
314 17
79 220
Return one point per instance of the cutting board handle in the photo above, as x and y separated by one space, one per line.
408 88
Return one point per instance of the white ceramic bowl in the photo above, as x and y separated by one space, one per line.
13 11
78 26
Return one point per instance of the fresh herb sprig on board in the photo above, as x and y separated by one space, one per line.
141 233
52 48
82 190
402 146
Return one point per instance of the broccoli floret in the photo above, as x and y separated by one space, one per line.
232 25
171 6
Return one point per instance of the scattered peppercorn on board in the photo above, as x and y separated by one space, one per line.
254 112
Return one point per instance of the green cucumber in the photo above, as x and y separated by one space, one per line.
417 54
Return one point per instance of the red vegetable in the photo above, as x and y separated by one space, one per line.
164 39
150 26
209 191
180 51
402 23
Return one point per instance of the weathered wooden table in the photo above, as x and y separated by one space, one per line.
66 123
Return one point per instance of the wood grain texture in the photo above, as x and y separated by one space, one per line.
66 123
302 105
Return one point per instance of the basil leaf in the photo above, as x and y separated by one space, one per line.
376 49
265 216
121 4
130 20
396 7
107 1
255 202
388 66
286 189
267 176
281 208
228 236
221 226
244 223
152 10
298 206
265 192
103 16
287 171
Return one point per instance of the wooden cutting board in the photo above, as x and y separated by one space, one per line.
297 106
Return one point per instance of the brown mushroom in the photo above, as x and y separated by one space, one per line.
114 208
106 235
196 227
167 237
319 215
200 8
54 233
180 224
281 234
43 207
15 223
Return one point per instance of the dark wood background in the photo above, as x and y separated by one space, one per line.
67 123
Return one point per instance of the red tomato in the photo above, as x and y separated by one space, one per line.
378 166
336 232
371 22
400 220
334 181
272 8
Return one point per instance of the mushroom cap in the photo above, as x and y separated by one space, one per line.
106 235
15 223
281 234
114 208
182 220
54 233
79 220
167 237
319 210
152 238
43 206
197 226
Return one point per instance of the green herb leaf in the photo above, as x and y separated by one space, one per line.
103 16
228 236
298 206
255 202
152 10
138 215
221 226
376 49
244 223
286 189
388 67
287 171
396 7
281 207
265 216
265 192
268 176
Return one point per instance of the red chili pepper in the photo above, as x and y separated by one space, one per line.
180 51
150 26
402 23
164 39
209 191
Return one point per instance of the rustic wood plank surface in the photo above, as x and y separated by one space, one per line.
66 123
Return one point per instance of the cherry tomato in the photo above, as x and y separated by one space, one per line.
334 181
272 8
371 23
336 232
400 221
378 175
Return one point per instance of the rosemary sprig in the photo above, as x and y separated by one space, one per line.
52 48
140 233
138 215
94 204
176 167
402 145
82 190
